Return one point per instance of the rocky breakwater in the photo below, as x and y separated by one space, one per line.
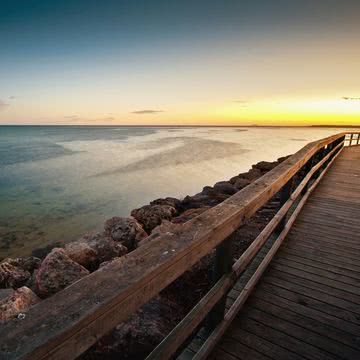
24 282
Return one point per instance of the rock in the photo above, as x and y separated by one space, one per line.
251 175
17 272
105 263
240 183
283 158
82 253
135 338
209 197
4 293
127 231
16 302
151 216
165 226
41 252
225 187
92 249
26 263
56 272
189 214
265 166
12 276
208 190
233 179
170 201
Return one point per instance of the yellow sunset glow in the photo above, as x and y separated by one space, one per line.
296 112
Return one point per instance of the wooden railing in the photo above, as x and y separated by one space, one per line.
66 324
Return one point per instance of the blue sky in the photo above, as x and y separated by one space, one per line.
187 61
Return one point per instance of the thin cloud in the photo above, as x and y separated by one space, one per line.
12 97
146 112
242 102
76 118
351 98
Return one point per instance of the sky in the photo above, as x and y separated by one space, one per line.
281 62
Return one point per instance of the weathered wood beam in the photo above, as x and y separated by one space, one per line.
183 330
213 339
66 324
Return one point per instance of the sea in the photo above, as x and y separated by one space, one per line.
58 182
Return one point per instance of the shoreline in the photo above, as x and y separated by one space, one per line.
25 282
185 126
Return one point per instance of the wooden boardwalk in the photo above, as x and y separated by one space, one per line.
293 294
307 304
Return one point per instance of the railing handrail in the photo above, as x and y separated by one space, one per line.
66 324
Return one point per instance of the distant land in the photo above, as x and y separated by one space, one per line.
184 126
336 126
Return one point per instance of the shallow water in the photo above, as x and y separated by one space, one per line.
59 182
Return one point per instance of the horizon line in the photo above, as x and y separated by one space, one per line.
187 126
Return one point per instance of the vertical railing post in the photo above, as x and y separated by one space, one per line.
222 265
317 157
307 168
330 147
284 196
342 139
351 139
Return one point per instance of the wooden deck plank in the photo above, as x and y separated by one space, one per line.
313 318
263 346
313 247
325 284
240 351
308 301
322 253
345 309
310 331
335 272
347 237
262 326
337 316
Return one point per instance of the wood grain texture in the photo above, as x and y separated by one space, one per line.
307 302
66 324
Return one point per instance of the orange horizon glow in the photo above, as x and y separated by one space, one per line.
286 71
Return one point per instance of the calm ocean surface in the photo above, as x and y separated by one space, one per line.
59 182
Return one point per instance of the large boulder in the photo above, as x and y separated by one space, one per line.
16 272
283 158
170 201
189 214
135 338
127 231
208 197
81 252
240 183
92 249
4 293
41 252
165 227
56 272
12 276
151 216
26 263
225 187
251 175
265 166
233 179
13 302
